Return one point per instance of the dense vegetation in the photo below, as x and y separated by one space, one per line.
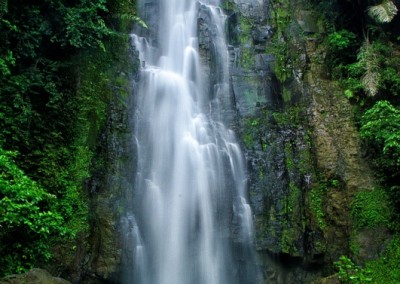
363 54
57 73
363 48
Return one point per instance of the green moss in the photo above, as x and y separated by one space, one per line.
291 116
291 225
248 140
251 96
247 59
290 164
305 165
354 245
279 46
288 238
265 224
320 246
260 172
293 199
371 208
271 221
228 5
284 44
264 146
251 131
316 197
286 95
386 270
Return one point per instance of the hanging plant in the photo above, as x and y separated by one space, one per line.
384 12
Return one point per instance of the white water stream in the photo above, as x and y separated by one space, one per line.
191 178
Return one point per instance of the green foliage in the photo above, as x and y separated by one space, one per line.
282 68
385 270
292 116
82 25
389 78
381 125
6 63
368 67
371 208
341 40
341 49
316 198
251 131
349 273
364 62
280 45
58 61
28 208
247 59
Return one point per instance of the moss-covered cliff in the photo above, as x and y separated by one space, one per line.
310 182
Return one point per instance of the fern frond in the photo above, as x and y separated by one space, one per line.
384 12
370 82
369 60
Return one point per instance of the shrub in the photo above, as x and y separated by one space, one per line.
26 218
350 273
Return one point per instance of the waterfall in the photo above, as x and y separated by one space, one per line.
191 223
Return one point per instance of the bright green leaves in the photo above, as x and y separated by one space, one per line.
6 62
23 201
349 273
341 40
56 84
25 213
381 124
83 25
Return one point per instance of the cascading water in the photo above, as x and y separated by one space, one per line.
191 223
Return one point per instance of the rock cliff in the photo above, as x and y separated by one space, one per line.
304 156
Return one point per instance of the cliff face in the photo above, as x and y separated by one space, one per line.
304 157
106 249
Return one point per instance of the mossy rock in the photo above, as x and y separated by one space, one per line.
34 276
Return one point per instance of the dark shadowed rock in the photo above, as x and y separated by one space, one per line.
34 276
